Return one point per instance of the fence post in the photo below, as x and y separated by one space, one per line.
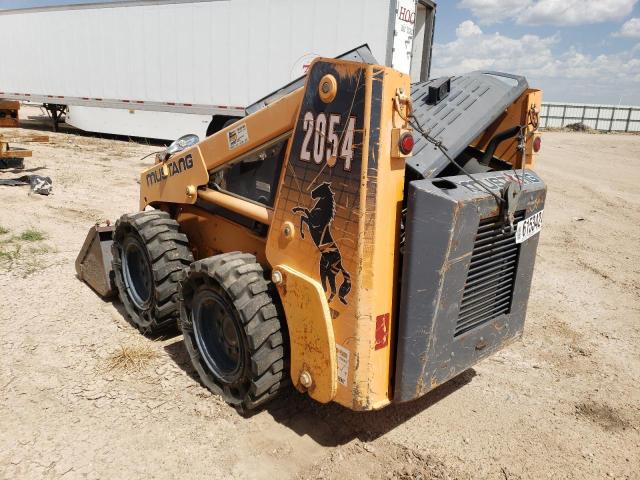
626 128
584 112
564 113
598 118
613 114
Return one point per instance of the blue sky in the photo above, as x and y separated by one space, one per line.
575 50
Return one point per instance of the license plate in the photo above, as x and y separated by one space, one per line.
529 227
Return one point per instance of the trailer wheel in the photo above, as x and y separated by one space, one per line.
148 255
232 329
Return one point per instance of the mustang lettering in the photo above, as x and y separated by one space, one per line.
175 167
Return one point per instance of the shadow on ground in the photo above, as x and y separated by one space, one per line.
178 353
331 425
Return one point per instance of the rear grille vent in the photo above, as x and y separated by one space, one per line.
488 290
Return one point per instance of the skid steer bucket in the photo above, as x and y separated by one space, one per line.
93 264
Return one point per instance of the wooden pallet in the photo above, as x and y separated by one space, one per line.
8 153
9 122
9 105
24 139
9 113
16 153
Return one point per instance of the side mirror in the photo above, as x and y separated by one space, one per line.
179 145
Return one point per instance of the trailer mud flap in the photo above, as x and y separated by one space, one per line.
93 264
465 279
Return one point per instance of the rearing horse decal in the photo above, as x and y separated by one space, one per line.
319 220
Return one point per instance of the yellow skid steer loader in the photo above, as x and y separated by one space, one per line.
360 237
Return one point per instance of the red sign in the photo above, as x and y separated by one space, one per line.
382 331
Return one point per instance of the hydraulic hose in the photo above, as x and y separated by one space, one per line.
497 140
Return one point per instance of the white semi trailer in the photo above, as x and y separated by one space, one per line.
160 69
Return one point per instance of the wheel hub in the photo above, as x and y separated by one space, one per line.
217 335
137 274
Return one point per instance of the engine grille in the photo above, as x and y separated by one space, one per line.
488 290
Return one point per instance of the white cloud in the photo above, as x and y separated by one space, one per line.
467 29
492 11
630 29
568 76
575 12
549 12
492 51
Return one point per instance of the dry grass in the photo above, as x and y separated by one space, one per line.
32 235
33 260
23 251
27 260
9 253
132 358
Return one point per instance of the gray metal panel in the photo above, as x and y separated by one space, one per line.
428 38
359 54
393 11
475 102
441 227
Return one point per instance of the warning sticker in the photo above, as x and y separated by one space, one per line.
237 136
343 364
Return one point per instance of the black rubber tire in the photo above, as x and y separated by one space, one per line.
238 282
165 253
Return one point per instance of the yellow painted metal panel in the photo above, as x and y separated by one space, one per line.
318 199
336 221
386 184
264 125
313 347
211 234
175 180
524 111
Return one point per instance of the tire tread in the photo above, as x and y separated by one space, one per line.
168 251
242 280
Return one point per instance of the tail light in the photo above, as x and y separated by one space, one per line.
537 144
406 143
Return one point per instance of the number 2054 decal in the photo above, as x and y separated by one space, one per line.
322 141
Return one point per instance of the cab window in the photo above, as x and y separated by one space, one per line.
254 176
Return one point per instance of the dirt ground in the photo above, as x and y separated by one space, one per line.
562 403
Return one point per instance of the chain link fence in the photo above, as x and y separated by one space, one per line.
610 118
